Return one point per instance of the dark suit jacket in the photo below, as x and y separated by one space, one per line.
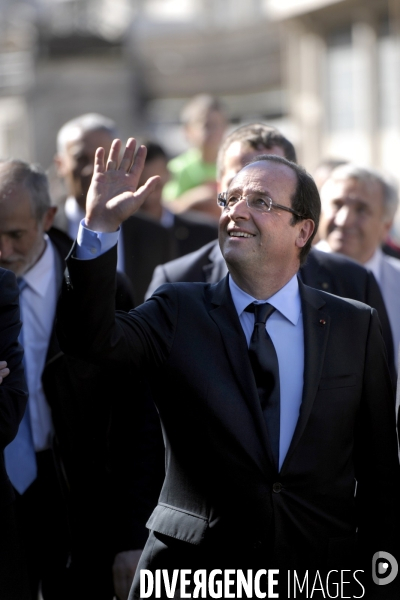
223 505
13 398
332 273
147 244
106 475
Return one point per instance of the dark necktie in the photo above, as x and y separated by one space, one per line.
20 457
264 362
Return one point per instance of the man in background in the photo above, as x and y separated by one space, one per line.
189 230
145 240
74 469
13 398
193 182
358 208
204 124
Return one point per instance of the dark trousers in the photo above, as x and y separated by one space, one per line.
44 530
13 574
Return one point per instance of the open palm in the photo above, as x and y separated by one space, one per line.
113 195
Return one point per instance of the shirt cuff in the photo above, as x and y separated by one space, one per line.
91 244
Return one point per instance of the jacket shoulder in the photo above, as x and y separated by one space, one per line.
319 298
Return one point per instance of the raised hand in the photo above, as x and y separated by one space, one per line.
112 196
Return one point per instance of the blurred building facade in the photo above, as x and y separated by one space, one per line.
325 71
342 77
136 61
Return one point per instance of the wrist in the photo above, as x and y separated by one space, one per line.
100 225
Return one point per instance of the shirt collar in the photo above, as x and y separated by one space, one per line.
40 275
286 300
374 263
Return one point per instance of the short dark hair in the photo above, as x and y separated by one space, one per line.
154 151
33 178
257 136
305 199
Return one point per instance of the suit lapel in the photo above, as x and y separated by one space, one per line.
316 324
224 314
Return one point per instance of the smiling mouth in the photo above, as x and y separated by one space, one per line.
240 234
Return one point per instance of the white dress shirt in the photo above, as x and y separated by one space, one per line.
285 327
386 270
38 307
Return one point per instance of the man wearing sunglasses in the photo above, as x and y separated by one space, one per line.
288 471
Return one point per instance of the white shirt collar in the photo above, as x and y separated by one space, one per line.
39 276
374 264
286 300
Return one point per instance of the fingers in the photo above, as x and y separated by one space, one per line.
138 163
99 161
128 156
113 156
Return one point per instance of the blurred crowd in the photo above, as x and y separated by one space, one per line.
86 472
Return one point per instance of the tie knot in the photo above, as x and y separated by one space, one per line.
262 312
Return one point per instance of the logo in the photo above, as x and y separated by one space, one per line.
384 568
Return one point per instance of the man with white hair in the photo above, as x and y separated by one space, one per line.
358 208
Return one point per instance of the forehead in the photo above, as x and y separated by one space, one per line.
353 189
274 178
238 154
88 142
15 201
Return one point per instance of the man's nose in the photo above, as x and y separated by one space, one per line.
240 210
344 216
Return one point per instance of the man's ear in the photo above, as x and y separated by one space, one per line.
49 217
305 232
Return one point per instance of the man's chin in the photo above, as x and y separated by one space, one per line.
342 247
14 267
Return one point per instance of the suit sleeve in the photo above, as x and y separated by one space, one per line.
376 454
89 328
13 389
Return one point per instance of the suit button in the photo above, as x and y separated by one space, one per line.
277 487
257 545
